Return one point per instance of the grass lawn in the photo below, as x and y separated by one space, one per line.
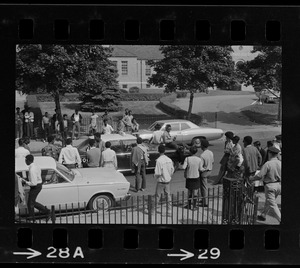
222 92
263 114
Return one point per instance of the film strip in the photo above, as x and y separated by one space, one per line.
163 242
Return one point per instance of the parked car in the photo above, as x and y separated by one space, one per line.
184 130
97 187
122 145
268 96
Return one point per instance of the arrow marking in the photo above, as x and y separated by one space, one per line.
186 255
32 254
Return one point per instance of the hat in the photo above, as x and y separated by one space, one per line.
197 143
273 150
204 143
229 134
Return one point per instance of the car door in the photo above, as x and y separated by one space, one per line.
186 135
57 190
176 132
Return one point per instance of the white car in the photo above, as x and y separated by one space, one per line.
185 131
96 187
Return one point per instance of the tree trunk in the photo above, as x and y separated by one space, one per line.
59 116
190 106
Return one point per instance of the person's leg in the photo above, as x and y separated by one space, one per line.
31 130
272 191
203 188
137 177
73 131
167 190
78 129
268 196
21 130
143 171
158 192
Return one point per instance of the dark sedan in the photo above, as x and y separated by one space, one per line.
122 145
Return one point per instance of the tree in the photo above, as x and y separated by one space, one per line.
194 69
60 69
264 71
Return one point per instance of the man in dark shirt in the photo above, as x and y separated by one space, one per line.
93 155
261 150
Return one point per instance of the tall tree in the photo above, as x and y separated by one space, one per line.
60 69
194 69
264 71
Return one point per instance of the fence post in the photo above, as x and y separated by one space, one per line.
53 217
149 201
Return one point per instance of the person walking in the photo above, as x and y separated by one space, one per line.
19 123
21 151
93 154
35 184
163 173
139 161
46 123
109 157
270 174
252 158
29 119
69 156
224 160
193 166
50 149
208 160
76 119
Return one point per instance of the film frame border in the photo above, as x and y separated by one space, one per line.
184 18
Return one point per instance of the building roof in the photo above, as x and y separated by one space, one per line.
141 52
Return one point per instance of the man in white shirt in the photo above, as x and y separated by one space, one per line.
76 119
35 184
69 155
21 151
107 129
163 172
109 157
29 119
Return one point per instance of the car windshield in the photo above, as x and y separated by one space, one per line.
69 174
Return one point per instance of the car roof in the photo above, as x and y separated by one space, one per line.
173 121
42 162
113 137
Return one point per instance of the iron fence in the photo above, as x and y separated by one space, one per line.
144 210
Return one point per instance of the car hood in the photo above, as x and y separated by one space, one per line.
144 131
102 175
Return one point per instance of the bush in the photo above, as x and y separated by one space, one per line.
142 96
122 90
134 90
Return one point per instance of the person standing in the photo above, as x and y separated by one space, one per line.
227 148
29 119
46 123
270 174
100 144
257 144
51 149
252 158
208 160
127 120
53 120
66 126
235 160
107 129
193 166
163 172
93 155
139 160
21 151
135 127
69 155
35 184
269 144
93 123
19 123
109 157
107 116
76 119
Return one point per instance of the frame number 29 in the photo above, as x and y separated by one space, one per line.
213 253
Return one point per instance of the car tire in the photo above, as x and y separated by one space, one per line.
100 202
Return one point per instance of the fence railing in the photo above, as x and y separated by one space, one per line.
144 210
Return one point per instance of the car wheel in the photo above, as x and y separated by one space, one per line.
100 202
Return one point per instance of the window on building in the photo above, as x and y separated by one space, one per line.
115 63
148 69
124 86
148 86
124 67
